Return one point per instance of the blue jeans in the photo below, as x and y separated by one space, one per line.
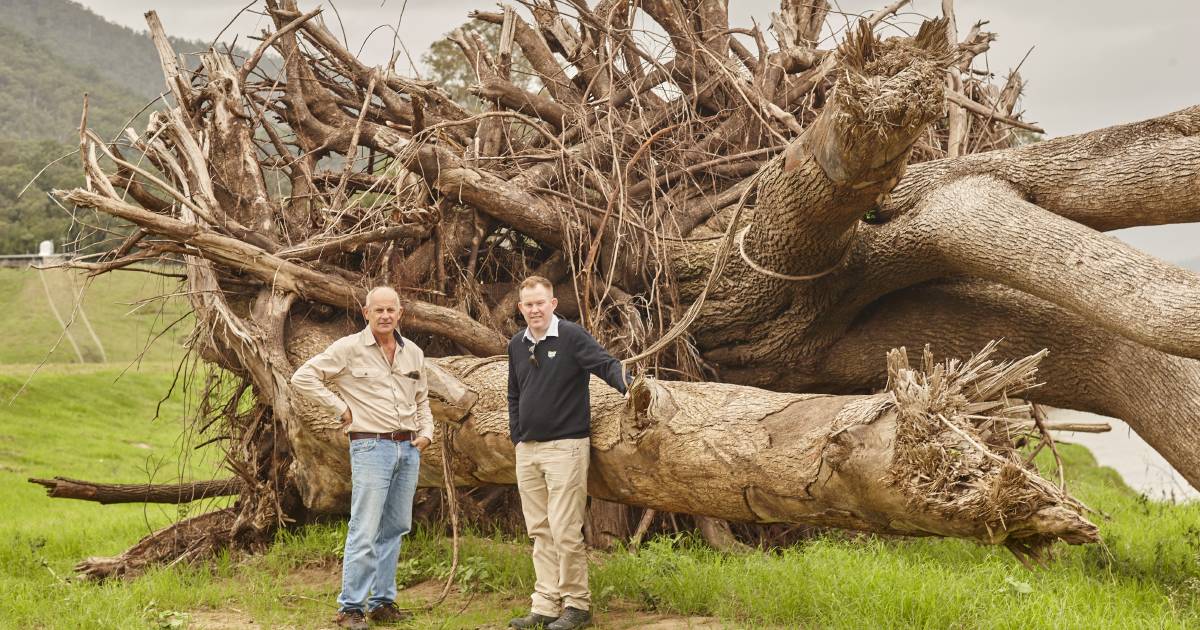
384 480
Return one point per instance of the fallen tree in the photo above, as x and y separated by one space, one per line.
936 454
775 218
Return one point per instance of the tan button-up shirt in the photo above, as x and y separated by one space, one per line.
382 397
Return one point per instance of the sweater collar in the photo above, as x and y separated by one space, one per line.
552 331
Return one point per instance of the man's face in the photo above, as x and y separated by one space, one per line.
537 305
383 313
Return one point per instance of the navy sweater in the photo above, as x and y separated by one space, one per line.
550 401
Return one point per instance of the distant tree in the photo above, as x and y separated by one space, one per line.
453 73
29 215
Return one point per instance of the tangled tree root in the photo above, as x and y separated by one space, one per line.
193 539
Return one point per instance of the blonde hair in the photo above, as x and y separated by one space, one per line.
534 281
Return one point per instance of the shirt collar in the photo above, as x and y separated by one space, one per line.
368 338
552 331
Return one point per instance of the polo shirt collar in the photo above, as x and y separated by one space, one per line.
368 338
552 331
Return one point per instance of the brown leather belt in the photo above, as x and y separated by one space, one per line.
397 436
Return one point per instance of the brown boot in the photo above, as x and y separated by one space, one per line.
352 619
387 614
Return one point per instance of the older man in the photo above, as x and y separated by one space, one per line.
549 420
384 408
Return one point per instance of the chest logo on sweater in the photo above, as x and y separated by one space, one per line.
551 353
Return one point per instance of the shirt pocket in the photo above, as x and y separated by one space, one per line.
405 382
365 372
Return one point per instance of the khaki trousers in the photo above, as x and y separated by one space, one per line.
552 480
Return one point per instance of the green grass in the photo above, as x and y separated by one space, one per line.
1145 575
84 422
30 333
79 422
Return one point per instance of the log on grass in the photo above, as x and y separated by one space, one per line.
106 493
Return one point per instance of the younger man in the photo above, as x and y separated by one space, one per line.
549 420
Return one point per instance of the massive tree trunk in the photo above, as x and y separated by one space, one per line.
932 455
936 454
775 219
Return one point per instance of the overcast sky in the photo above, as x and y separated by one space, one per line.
1094 63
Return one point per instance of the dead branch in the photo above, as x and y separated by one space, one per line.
108 493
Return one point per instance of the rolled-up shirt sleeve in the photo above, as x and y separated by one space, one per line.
424 413
309 381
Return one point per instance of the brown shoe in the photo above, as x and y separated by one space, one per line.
352 619
387 613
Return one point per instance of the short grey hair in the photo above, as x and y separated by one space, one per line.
380 289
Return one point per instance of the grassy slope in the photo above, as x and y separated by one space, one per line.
29 331
81 422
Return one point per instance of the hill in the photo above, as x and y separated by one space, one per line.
43 94
29 215
54 51
78 37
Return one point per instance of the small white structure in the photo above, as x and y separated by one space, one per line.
46 248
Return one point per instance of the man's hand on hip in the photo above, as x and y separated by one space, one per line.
421 442
347 419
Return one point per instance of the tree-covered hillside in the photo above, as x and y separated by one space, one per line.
81 38
41 99
34 217
41 94
51 53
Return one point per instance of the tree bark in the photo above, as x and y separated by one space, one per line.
1087 368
